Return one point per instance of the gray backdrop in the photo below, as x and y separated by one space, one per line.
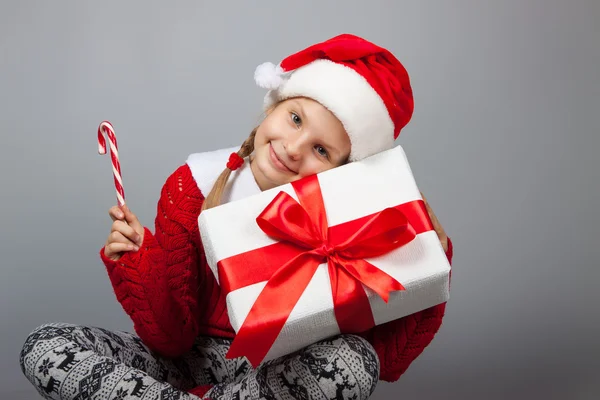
503 143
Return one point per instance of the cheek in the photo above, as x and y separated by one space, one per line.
259 139
313 166
268 131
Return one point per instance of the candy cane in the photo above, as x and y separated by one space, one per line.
106 127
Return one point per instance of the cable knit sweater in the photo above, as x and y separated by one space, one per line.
171 295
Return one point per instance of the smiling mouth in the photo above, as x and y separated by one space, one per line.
277 161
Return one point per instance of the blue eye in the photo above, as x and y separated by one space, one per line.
321 150
296 119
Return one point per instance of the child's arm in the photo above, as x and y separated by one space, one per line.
398 343
158 285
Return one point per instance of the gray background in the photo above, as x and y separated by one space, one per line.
503 143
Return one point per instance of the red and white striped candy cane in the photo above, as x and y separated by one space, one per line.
106 127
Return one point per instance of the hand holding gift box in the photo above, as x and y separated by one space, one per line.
339 252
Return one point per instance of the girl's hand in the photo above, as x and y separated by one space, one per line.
127 233
436 225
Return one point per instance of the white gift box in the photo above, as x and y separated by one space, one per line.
349 192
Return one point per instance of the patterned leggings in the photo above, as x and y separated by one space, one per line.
65 361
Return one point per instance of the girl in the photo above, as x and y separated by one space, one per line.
335 102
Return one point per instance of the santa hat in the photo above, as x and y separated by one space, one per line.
362 84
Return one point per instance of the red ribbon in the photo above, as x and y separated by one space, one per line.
305 242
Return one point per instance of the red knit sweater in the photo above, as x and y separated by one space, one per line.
171 295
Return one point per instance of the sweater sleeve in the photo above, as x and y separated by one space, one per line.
398 343
158 285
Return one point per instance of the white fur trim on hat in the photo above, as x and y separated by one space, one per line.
347 94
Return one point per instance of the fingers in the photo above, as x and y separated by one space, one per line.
116 213
114 250
127 234
132 219
118 243
124 214
436 225
126 231
432 215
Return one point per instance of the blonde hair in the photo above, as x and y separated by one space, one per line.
214 197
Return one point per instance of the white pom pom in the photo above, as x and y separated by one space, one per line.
268 76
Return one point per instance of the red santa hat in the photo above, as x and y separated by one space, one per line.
362 84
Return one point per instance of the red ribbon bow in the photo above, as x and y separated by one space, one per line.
304 227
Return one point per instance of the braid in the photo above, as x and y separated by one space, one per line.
214 197
248 146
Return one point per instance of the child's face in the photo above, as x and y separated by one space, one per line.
299 137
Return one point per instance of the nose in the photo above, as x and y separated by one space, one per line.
294 145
